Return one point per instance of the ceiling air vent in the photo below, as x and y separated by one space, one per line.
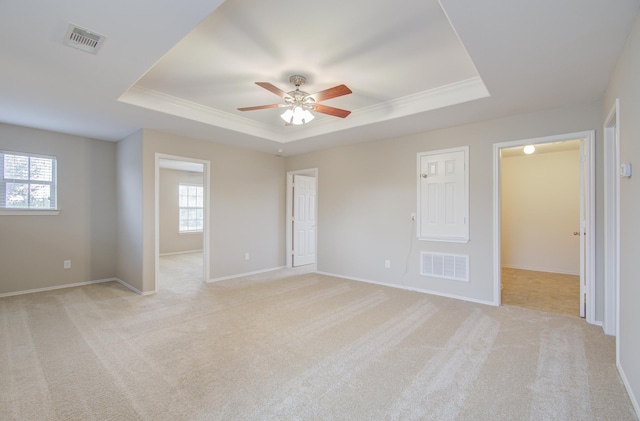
83 39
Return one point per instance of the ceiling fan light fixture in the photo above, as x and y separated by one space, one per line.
306 115
297 115
287 116
299 104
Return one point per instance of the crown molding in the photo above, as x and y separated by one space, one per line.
440 97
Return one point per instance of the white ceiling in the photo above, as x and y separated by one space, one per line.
185 67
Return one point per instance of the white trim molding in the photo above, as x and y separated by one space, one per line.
611 146
627 386
241 275
443 96
53 288
29 212
181 252
132 288
407 288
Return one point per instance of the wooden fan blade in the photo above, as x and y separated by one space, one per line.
274 89
336 112
334 92
262 107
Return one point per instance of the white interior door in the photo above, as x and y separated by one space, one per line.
443 196
304 220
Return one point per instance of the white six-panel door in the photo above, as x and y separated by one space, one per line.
304 220
442 196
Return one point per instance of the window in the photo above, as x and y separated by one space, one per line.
443 195
190 207
27 181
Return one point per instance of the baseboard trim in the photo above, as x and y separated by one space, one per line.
627 386
424 291
53 288
132 288
561 272
241 275
180 252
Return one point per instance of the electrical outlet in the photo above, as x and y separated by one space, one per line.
413 216
387 264
246 256
67 264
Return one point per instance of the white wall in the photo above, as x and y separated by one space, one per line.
367 191
33 248
171 241
540 212
625 84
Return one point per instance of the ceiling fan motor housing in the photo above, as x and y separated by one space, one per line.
297 80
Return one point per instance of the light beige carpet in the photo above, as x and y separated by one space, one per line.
183 268
304 347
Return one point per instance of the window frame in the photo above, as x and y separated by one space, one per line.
53 185
201 208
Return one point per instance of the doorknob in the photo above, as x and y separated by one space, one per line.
576 233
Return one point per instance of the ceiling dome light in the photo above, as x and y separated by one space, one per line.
529 149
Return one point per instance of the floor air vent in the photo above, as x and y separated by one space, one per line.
83 39
447 266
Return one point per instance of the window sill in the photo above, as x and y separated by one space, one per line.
189 232
29 212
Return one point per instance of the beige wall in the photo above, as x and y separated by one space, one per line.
625 85
171 241
540 197
247 191
367 191
130 246
33 248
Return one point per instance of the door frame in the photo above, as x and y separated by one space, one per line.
588 139
311 172
611 129
206 211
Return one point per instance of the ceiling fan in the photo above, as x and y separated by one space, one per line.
298 103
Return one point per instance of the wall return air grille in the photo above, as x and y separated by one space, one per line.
83 39
447 266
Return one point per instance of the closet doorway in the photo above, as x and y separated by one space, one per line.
545 213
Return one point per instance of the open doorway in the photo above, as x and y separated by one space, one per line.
301 226
181 222
544 208
540 221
